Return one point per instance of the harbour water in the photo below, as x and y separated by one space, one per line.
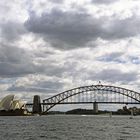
69 127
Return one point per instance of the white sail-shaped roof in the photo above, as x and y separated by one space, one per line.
6 102
16 104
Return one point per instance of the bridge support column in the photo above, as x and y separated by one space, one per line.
43 107
95 107
36 104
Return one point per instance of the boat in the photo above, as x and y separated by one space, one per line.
83 115
131 117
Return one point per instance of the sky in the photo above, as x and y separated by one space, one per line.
49 46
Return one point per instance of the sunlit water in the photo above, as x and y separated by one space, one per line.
66 127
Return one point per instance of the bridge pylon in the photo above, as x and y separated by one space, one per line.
95 107
37 105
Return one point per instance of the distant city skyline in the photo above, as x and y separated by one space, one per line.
49 46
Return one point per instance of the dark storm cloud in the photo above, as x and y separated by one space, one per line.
70 29
103 1
12 30
41 86
56 70
66 67
14 61
114 75
64 28
14 70
122 28
57 1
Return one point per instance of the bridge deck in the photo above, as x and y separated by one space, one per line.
87 103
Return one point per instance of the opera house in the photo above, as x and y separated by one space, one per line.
11 107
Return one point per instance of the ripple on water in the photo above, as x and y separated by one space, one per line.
69 128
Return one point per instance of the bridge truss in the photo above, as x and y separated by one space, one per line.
91 94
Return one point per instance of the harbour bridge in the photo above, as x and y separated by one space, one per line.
93 94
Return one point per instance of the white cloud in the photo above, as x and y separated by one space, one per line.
47 47
13 11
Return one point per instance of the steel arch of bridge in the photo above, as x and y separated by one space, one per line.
61 97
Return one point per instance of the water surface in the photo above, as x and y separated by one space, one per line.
70 127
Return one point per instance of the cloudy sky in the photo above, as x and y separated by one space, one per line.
48 46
